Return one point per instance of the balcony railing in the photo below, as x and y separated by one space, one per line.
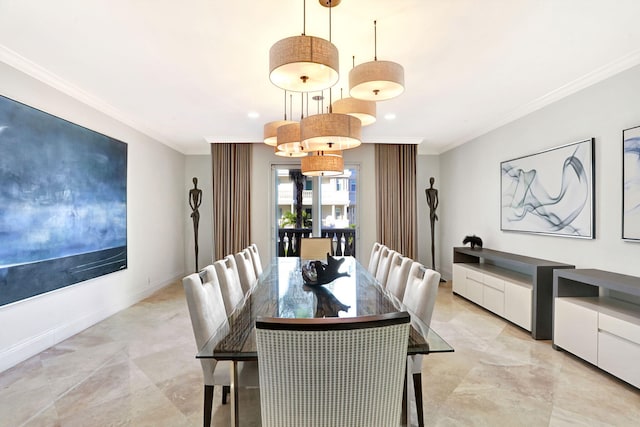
343 241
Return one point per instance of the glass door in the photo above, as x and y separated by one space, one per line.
295 204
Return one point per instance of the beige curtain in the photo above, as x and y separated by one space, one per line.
231 166
396 197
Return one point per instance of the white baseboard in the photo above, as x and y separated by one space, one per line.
34 345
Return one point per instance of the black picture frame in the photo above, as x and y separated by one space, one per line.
631 184
551 192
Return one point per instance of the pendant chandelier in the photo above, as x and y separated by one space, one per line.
310 64
376 80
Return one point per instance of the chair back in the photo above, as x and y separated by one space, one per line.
208 274
207 312
332 371
255 257
315 248
374 258
246 273
383 265
227 273
398 275
421 292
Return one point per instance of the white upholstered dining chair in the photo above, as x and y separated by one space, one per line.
208 316
246 272
382 272
346 372
227 272
398 275
374 258
420 299
255 257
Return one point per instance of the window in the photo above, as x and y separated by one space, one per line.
338 204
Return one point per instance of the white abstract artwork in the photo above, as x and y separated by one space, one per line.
631 184
550 192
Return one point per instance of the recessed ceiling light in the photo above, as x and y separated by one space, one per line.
390 116
253 115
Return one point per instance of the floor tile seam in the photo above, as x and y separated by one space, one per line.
69 390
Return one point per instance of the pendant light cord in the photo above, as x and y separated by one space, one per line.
375 41
304 17
330 7
285 105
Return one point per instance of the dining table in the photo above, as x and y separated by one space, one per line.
285 289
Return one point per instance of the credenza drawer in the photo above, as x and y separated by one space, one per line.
459 280
475 291
615 326
619 357
518 304
475 275
494 282
493 300
575 329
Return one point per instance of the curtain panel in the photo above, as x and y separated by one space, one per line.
396 225
231 166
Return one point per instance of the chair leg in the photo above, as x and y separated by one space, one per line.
208 405
417 387
226 389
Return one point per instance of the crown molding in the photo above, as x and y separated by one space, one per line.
30 68
394 140
231 139
599 74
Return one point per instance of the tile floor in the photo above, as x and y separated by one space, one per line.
137 368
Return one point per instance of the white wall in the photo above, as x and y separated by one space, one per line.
155 223
470 178
198 167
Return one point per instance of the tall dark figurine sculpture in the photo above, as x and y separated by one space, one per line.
432 201
195 199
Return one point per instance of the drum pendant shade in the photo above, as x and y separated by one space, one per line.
323 164
289 141
376 80
303 64
271 131
363 110
289 154
330 132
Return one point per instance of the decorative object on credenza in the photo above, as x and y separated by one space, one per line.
317 273
432 201
631 184
195 200
474 240
550 192
63 200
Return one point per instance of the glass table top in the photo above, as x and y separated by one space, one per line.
282 292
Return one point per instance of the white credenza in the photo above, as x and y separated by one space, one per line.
515 287
597 318
500 291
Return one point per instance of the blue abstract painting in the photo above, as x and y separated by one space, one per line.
631 184
550 192
63 203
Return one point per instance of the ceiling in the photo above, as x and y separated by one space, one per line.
190 72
